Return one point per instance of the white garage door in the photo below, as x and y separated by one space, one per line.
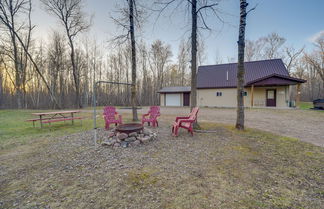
172 100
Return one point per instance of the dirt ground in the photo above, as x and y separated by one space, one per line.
306 125
227 169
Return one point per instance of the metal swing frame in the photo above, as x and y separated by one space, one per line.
95 104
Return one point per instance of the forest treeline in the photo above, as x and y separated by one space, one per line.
61 72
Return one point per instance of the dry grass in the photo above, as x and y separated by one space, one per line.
227 169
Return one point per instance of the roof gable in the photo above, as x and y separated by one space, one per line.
215 76
275 79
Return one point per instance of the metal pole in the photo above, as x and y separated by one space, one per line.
94 106
94 114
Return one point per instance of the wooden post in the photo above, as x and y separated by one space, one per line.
298 95
252 99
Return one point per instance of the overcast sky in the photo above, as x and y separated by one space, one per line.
299 21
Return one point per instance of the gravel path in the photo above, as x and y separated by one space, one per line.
305 125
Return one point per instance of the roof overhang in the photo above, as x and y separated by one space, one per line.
175 89
172 92
217 87
275 80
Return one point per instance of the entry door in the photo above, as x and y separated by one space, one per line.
186 99
271 97
172 100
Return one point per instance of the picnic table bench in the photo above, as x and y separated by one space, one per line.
53 117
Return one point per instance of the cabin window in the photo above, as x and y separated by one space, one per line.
218 94
245 93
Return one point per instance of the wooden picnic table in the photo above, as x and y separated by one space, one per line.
51 117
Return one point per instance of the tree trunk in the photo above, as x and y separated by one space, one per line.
127 80
16 61
240 67
132 31
32 61
61 83
193 94
75 75
1 88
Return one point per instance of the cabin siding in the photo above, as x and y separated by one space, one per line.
208 98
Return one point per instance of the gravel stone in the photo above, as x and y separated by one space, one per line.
145 139
107 142
133 134
124 144
117 145
147 132
135 143
111 134
130 139
122 136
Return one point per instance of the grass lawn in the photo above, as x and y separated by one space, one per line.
14 130
60 168
305 105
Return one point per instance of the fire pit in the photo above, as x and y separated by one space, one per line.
129 128
130 134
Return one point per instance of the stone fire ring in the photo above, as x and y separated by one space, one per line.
131 134
129 128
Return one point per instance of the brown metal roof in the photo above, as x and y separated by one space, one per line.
175 89
215 76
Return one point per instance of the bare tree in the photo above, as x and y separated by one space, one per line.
9 9
132 4
291 58
45 69
240 66
201 51
199 10
147 86
272 44
183 60
74 21
160 55
56 63
130 18
316 59
267 47
253 50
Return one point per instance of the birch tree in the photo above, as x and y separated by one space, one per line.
240 65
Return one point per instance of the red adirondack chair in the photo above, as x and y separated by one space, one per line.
185 122
151 116
111 116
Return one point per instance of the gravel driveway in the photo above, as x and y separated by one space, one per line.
306 125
